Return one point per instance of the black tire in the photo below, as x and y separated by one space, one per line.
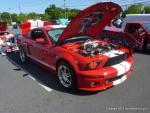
144 47
72 76
22 55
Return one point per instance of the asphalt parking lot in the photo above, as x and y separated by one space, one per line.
31 89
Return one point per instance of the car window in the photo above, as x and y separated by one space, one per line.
37 34
147 26
133 27
54 34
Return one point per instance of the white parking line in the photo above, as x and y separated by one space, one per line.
41 84
30 76
45 87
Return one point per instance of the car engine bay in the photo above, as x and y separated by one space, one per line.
90 47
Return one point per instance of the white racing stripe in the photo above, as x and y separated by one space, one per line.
122 68
116 82
126 64
113 53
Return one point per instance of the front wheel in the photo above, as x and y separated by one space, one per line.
22 55
66 76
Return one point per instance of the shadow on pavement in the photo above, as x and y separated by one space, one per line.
41 75
144 52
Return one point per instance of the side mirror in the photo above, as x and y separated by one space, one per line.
40 40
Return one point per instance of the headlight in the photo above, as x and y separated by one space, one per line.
93 65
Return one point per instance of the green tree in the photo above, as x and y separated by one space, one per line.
45 17
72 13
53 12
134 9
14 17
33 15
5 16
147 9
22 17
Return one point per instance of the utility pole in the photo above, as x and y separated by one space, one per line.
19 7
65 7
10 16
0 17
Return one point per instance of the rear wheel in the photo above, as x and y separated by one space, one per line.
22 55
66 76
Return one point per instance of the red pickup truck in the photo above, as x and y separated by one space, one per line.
77 55
139 30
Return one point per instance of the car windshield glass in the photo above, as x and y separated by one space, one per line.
54 34
147 26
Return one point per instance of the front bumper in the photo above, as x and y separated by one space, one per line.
96 80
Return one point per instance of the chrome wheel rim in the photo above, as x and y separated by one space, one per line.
64 76
22 55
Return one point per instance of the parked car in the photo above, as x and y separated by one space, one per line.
138 26
139 30
77 55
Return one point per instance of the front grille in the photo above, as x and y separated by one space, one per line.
115 78
116 60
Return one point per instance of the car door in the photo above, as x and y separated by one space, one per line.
132 29
42 51
47 52
34 48
31 44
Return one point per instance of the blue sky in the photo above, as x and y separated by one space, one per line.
40 5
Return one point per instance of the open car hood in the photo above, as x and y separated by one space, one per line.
91 20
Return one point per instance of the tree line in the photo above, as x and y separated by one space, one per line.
137 9
54 12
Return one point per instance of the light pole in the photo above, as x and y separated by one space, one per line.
65 7
0 17
19 7
10 16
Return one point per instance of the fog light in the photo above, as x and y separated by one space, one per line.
95 84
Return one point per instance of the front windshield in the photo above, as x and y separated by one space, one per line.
54 34
147 26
